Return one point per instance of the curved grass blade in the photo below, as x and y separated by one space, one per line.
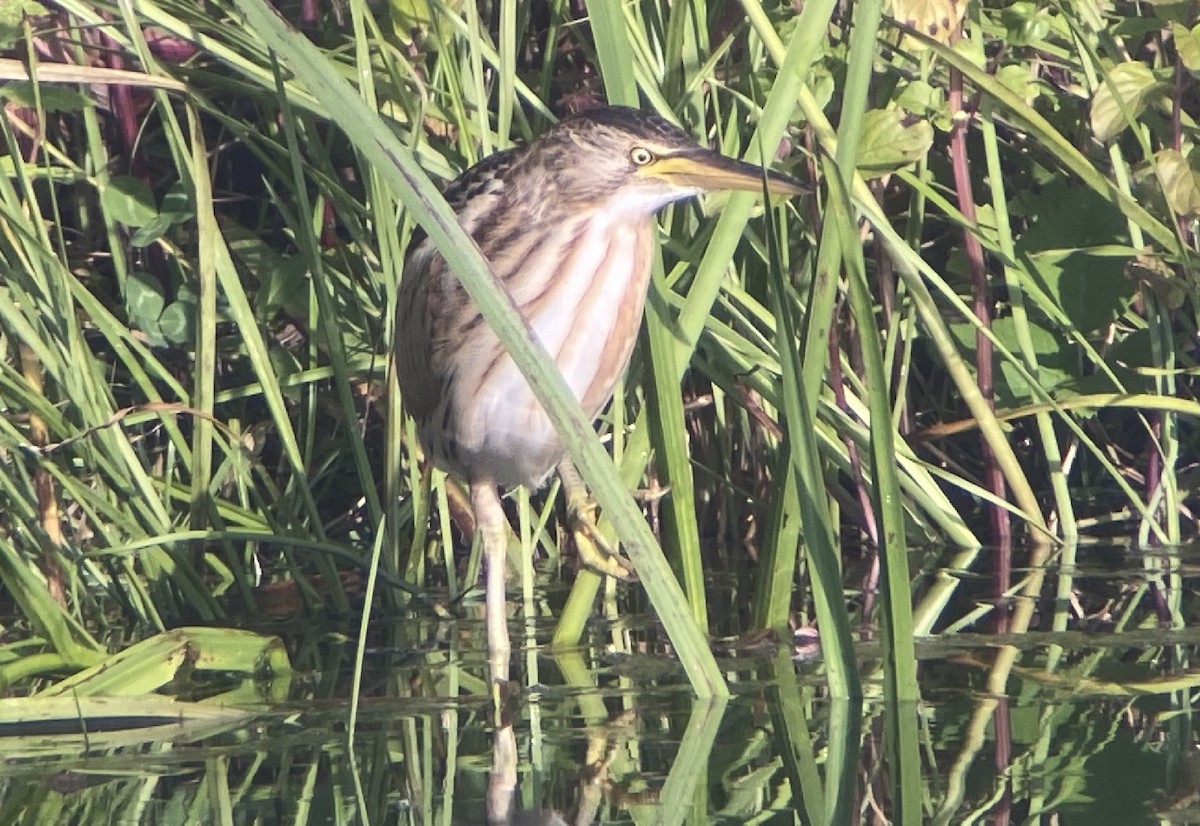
395 163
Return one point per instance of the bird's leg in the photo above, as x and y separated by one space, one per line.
490 525
594 550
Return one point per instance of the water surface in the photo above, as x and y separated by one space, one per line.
1093 724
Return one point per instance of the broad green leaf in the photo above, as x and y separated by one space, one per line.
1165 10
1140 26
1026 23
1058 363
144 299
1089 288
177 324
11 13
1187 45
1133 361
1022 81
924 100
53 98
823 84
1129 86
284 285
1062 215
919 96
129 201
177 204
889 143
282 281
151 231
1179 182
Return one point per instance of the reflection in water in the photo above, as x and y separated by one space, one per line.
1099 693
605 742
502 779
594 779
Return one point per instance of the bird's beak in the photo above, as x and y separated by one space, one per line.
707 170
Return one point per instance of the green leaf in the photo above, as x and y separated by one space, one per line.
1187 45
1165 10
1027 25
1089 288
890 142
177 324
414 21
53 98
1020 80
151 231
129 201
923 100
1076 248
144 300
1132 360
1179 181
1058 365
284 286
282 281
1062 215
177 204
11 14
1121 99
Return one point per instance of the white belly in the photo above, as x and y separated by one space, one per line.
587 319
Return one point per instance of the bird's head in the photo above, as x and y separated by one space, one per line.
629 160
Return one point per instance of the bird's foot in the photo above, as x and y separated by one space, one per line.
594 550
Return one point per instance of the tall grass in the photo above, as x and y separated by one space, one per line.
204 218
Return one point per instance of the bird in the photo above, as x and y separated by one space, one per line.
567 225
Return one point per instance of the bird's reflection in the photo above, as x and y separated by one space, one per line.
595 781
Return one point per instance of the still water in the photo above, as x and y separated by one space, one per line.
1093 722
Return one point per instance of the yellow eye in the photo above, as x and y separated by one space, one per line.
641 156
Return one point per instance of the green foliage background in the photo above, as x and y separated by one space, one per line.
199 257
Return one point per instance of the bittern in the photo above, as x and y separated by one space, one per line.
567 225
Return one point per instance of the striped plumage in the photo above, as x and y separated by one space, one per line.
567 225
573 252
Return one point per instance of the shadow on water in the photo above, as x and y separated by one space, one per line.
1098 709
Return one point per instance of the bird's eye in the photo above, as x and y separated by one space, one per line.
641 156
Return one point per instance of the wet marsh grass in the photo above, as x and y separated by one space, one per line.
205 222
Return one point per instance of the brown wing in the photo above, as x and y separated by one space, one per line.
486 175
419 384
430 306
